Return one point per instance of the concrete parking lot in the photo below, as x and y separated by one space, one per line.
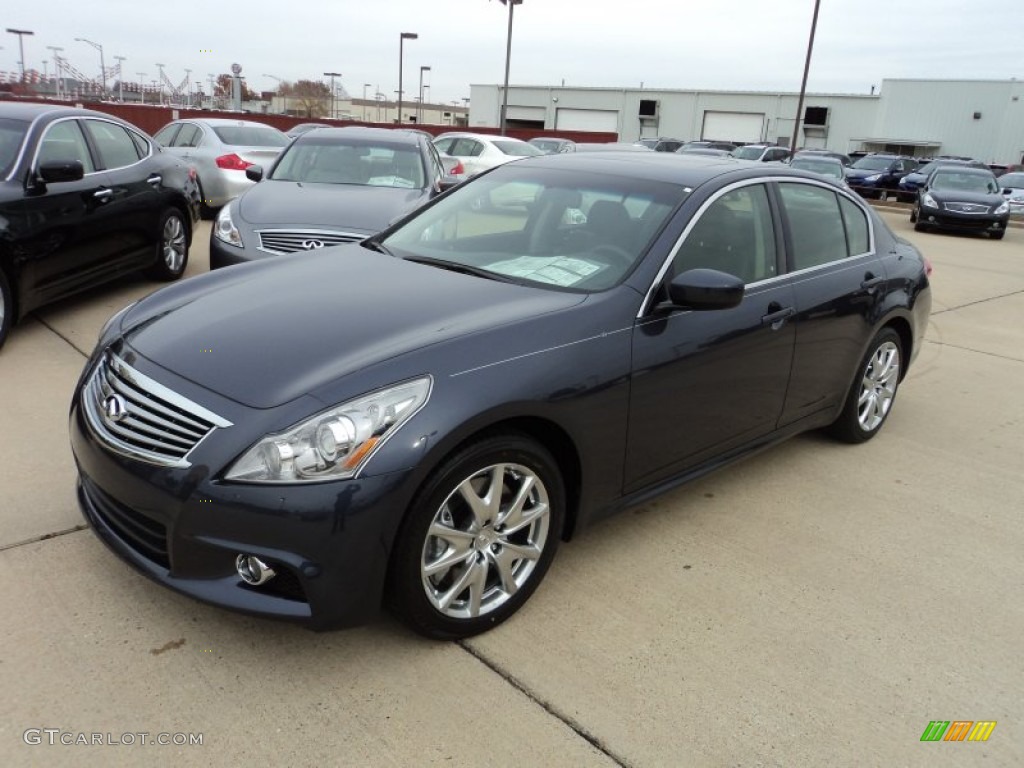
817 605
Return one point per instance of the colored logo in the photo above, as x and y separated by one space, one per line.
958 730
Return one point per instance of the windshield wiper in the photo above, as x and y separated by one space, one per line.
376 245
465 269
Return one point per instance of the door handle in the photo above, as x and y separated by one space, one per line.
871 282
156 179
103 194
777 315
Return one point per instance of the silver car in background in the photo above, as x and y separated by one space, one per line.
220 150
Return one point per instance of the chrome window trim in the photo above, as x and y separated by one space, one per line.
24 145
674 250
39 144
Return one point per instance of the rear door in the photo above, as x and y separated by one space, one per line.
838 279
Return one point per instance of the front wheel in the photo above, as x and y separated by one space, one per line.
478 538
172 247
873 391
997 235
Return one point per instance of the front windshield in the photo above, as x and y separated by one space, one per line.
562 229
1012 180
957 181
517 148
873 163
747 153
369 163
12 133
824 167
250 135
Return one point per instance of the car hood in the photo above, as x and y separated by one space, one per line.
268 332
958 196
913 178
335 206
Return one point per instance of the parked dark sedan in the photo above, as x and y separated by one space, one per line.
878 175
420 418
906 191
84 198
330 186
962 199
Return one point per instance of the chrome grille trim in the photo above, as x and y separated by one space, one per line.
158 426
291 240
967 207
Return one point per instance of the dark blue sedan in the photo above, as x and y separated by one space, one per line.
419 419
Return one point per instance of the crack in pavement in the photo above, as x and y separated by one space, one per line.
44 537
972 349
979 301
573 725
60 335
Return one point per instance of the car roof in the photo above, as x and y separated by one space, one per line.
218 121
29 111
961 169
483 136
686 170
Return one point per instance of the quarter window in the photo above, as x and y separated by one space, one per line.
115 146
856 227
64 143
164 135
816 228
735 235
188 136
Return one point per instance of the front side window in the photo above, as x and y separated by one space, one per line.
555 228
64 143
12 134
735 235
115 146
816 228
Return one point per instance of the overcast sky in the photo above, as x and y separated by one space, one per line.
740 44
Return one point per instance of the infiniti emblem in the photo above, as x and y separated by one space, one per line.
115 408
310 245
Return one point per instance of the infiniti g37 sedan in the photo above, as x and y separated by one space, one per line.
419 419
84 198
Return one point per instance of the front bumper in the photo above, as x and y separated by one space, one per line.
962 222
328 542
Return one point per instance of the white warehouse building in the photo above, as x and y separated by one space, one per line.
983 119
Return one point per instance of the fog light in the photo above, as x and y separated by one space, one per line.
253 570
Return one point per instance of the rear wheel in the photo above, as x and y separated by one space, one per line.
873 391
172 247
6 308
478 538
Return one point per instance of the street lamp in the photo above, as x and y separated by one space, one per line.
419 109
103 66
160 68
365 86
142 87
285 94
402 37
508 58
120 80
21 46
332 75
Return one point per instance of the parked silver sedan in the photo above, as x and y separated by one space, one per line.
220 150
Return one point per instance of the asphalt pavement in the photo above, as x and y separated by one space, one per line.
817 605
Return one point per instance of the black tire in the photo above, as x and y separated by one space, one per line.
997 235
913 215
428 569
883 196
920 226
882 365
7 314
206 212
172 247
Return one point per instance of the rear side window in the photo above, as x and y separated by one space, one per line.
856 227
188 136
164 135
64 143
816 228
115 146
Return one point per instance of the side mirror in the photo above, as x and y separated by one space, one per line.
70 170
254 173
448 181
702 289
1007 191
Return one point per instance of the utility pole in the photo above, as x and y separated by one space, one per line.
142 86
803 84
508 59
332 75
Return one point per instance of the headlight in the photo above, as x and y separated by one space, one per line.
875 177
335 444
224 228
928 201
1004 208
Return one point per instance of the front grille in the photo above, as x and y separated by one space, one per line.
140 418
145 535
292 241
966 207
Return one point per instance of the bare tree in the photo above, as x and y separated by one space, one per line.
310 97
224 88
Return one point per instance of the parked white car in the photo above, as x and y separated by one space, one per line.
480 151
1012 185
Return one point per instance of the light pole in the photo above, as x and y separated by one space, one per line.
142 86
212 89
803 85
332 75
56 49
402 37
285 95
508 58
103 66
120 78
21 46
419 109
365 86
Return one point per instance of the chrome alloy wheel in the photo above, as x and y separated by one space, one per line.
172 244
878 387
484 541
